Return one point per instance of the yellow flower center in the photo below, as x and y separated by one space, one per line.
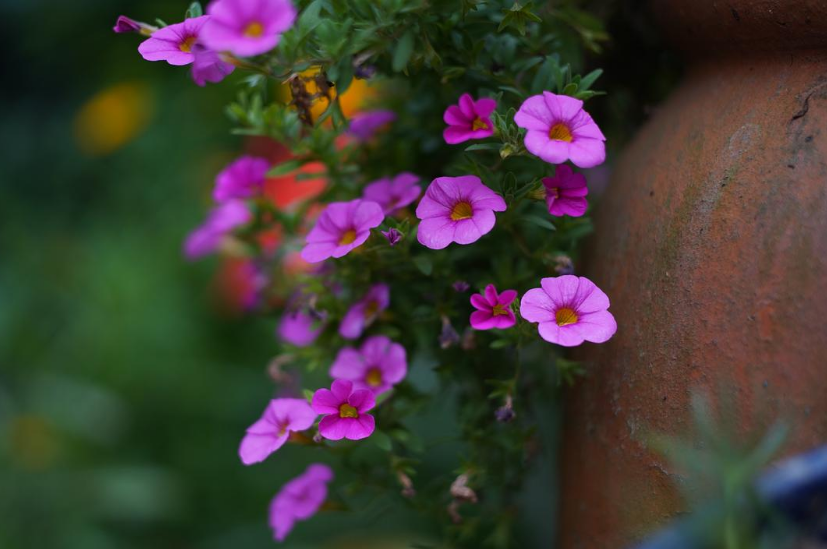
553 192
374 377
348 237
560 132
565 316
186 45
346 410
499 310
462 210
479 124
253 30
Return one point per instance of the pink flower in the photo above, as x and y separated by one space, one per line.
299 328
559 130
468 120
209 66
566 192
127 24
364 124
173 43
342 227
493 310
362 313
456 209
270 432
570 310
247 27
221 221
243 178
377 366
299 499
344 411
394 193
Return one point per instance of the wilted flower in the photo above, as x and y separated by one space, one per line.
364 124
209 66
505 413
469 120
394 193
270 432
460 286
378 365
392 235
456 209
342 227
563 265
344 411
559 130
299 499
448 336
566 192
570 310
362 313
174 43
247 27
243 178
220 222
299 328
493 309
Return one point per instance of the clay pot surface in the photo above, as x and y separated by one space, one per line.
711 242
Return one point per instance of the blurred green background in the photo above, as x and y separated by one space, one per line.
124 385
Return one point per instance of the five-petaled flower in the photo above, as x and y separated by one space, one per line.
468 120
566 192
247 27
493 309
342 227
362 313
378 365
394 193
456 209
344 411
243 178
174 43
220 222
299 499
559 130
270 432
570 309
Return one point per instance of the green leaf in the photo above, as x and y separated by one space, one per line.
382 440
310 17
285 167
194 11
587 81
424 264
403 51
483 147
540 222
308 394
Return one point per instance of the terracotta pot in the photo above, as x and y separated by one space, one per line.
711 242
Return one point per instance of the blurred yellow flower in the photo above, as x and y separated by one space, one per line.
113 117
357 97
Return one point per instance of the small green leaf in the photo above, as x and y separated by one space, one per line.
587 81
540 222
424 264
308 394
284 168
483 147
403 51
194 11
382 440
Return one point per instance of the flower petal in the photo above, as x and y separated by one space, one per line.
537 306
325 402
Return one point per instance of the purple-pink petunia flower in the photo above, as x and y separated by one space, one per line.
344 411
342 227
174 43
299 328
493 309
220 222
468 120
362 313
566 192
378 365
559 130
209 66
299 499
456 209
364 124
247 27
394 193
243 178
392 235
270 432
570 310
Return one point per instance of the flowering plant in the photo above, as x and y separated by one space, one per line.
413 249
